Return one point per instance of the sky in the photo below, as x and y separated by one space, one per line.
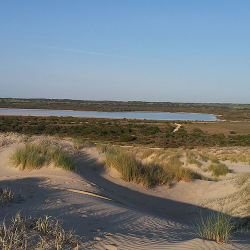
126 50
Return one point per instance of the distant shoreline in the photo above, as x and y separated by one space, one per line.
35 112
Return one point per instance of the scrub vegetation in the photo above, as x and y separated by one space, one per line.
121 131
236 112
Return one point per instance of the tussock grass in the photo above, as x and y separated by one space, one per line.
24 233
214 159
194 161
218 169
204 157
34 156
6 195
151 174
132 169
218 226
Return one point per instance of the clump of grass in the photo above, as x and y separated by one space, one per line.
61 160
204 169
218 169
218 226
24 233
151 174
194 161
6 195
204 157
132 169
214 159
34 156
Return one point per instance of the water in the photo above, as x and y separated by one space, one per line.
119 115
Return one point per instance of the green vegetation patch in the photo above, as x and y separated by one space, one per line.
151 174
34 156
194 161
217 226
219 169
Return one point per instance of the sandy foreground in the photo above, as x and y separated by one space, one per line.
108 212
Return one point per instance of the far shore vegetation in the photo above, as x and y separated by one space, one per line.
223 111
130 132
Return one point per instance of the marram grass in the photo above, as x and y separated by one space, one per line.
151 174
217 226
34 156
219 169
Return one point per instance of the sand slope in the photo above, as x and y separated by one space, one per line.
134 218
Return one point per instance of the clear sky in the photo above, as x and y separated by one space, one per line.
148 50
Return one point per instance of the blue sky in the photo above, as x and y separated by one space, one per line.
148 50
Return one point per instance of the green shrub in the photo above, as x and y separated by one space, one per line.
126 138
218 169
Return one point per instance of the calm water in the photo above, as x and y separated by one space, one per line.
128 115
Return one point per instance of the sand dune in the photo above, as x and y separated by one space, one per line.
108 212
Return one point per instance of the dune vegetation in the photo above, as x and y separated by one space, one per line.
34 156
217 226
41 233
219 169
149 174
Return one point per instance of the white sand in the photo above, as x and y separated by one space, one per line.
134 218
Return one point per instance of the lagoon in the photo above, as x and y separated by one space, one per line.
115 115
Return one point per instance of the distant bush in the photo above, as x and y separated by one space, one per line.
218 169
127 138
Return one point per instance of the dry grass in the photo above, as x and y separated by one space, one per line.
6 196
44 233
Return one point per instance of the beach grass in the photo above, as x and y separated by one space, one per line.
217 226
191 160
149 174
24 233
34 156
219 169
